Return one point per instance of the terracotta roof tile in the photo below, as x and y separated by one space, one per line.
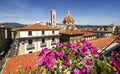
71 32
37 26
20 62
88 34
102 42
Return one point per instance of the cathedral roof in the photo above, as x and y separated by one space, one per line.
68 18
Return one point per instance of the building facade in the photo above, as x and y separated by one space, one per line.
101 34
71 36
34 37
89 36
5 40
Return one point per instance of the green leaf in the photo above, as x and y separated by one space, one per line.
44 71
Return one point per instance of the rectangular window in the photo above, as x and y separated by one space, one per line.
53 39
29 41
5 33
30 51
43 32
43 40
29 33
52 32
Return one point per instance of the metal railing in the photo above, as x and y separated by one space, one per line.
53 43
30 46
43 44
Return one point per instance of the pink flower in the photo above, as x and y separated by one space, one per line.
62 53
50 54
88 62
116 72
116 63
58 44
67 43
49 62
84 51
40 62
95 53
28 68
78 71
84 70
86 44
67 62
43 51
59 54
114 53
73 46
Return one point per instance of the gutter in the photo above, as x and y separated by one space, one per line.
4 66
109 44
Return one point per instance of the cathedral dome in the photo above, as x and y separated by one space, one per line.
68 19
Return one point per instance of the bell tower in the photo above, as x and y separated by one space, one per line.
53 17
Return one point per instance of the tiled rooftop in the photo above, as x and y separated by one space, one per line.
37 26
88 34
20 62
102 42
71 32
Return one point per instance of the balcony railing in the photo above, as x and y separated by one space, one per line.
53 43
30 46
43 44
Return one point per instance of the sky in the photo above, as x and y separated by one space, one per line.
85 12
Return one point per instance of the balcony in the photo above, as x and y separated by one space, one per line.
53 43
30 46
43 44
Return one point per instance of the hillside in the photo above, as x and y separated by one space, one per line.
8 24
90 26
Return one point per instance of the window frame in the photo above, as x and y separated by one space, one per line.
53 32
29 33
43 32
30 42
43 40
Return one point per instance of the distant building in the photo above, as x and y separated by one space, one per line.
36 36
110 28
5 40
89 35
68 20
102 33
14 33
71 36
70 33
117 31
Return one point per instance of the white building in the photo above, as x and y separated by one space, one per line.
36 36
